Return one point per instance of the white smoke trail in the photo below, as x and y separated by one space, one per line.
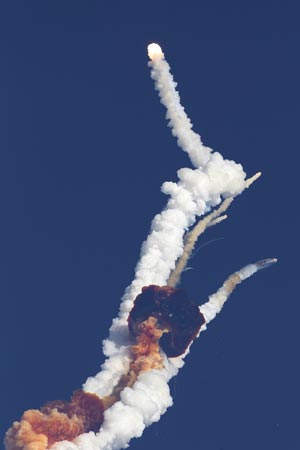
216 301
196 192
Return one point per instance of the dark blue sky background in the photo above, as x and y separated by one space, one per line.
84 150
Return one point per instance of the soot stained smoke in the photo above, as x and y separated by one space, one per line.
179 318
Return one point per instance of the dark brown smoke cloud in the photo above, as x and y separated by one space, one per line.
178 317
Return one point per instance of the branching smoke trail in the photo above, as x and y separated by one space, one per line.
191 238
217 220
157 322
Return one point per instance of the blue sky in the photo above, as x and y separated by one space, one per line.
84 151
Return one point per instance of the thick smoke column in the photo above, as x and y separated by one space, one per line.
157 322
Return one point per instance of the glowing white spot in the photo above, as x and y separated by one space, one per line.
155 52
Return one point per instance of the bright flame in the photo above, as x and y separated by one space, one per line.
155 52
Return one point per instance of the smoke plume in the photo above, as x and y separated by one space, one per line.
157 322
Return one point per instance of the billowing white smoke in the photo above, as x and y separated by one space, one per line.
196 192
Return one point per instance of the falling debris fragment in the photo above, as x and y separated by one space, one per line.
157 322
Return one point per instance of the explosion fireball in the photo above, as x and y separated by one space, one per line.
157 321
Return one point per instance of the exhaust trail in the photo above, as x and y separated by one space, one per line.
157 322
216 301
